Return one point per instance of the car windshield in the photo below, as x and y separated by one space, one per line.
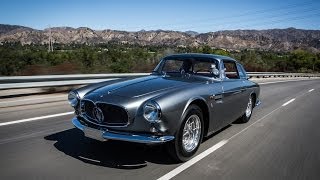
200 67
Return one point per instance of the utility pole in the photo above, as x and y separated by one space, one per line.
313 64
50 48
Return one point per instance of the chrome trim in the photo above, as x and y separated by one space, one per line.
258 103
76 96
249 107
86 119
82 114
137 138
158 110
191 133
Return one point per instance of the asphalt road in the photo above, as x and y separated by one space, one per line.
281 141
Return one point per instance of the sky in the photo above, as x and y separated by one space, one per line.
179 15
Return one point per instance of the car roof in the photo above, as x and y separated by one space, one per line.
199 55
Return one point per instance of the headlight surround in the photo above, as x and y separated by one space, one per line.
73 99
152 112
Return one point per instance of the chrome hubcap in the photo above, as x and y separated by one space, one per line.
249 108
191 133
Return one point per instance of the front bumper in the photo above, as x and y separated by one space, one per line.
103 135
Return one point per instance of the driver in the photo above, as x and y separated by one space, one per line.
187 66
214 71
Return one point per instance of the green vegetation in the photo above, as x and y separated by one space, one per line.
16 59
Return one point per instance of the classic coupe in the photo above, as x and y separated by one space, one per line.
186 98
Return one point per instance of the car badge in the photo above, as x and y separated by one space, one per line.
98 115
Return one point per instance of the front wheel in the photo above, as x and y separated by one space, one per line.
189 136
247 114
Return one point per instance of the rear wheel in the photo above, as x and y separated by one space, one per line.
189 136
247 114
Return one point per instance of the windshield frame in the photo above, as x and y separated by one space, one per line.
159 68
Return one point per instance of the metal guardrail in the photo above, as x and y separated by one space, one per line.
42 78
280 74
19 82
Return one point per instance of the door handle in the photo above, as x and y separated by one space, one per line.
217 98
237 92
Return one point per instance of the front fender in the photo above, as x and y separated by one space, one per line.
174 105
190 101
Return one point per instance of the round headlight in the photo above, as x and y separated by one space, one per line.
73 99
152 112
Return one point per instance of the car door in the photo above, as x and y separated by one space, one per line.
233 92
213 93
217 106
246 86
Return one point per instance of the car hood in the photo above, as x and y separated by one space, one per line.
144 86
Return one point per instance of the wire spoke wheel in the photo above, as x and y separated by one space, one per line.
249 108
191 133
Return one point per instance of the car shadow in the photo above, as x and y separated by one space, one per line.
113 154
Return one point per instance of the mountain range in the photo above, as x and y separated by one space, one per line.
270 40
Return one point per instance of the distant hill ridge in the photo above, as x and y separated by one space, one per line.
271 39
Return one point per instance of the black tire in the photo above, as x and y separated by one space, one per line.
175 147
245 117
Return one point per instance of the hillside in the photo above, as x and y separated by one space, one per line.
272 39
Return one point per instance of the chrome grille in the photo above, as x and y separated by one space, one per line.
113 115
87 108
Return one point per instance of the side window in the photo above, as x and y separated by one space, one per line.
242 72
231 69
205 68
172 66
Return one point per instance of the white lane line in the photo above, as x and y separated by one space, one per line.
32 99
288 102
254 123
35 118
273 82
310 90
194 160
183 167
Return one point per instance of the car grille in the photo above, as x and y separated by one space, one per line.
112 115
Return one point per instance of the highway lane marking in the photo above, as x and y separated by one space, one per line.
215 147
310 90
35 118
192 161
197 158
288 102
32 99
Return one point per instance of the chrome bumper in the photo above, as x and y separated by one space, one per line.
105 135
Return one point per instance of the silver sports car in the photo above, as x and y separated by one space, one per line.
186 97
